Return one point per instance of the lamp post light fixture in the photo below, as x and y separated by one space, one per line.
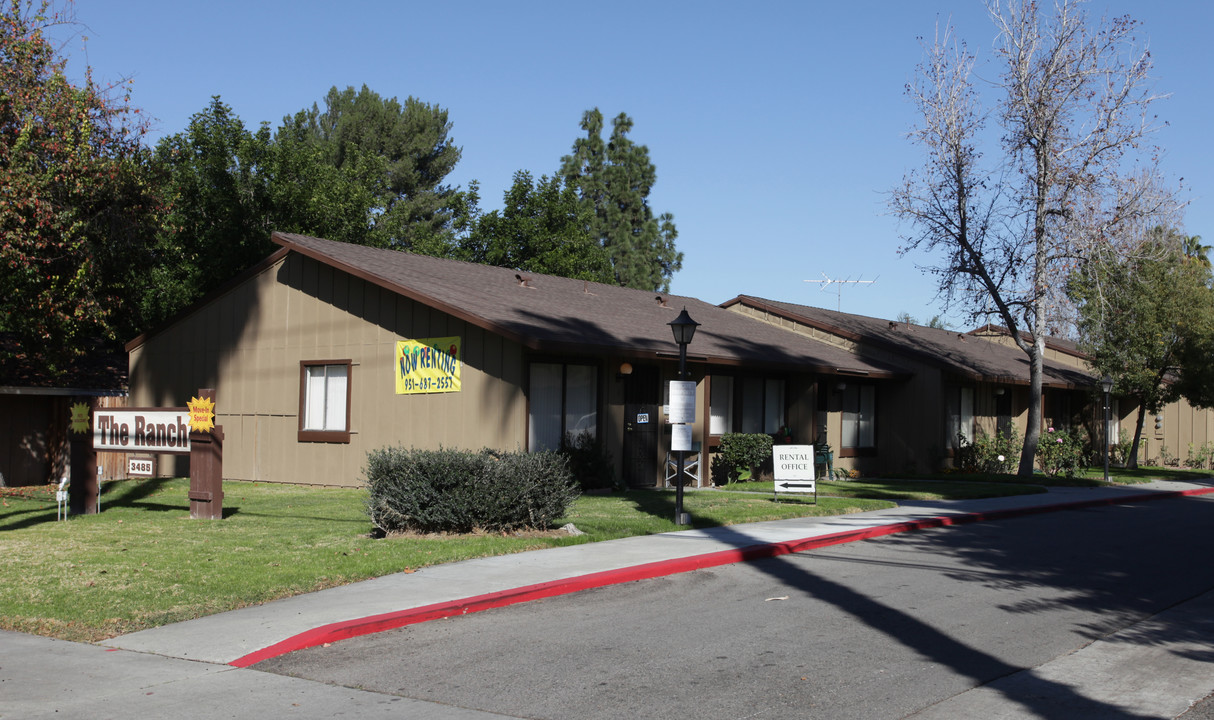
684 329
1106 384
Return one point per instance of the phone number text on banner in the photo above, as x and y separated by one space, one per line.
427 365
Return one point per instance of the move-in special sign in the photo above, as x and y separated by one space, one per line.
428 365
144 430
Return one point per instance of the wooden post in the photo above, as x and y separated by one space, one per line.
83 490
206 469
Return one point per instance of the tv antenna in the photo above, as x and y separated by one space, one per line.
826 282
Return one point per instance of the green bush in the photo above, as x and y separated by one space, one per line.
459 491
998 454
1121 449
742 451
591 466
1060 452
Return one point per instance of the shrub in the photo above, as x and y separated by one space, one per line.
843 475
1121 449
1060 453
459 491
743 450
1201 456
591 467
998 454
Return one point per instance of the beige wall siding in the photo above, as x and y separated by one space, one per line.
1185 429
248 345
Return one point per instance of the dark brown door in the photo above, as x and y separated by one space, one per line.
642 393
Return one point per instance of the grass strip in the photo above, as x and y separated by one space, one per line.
142 562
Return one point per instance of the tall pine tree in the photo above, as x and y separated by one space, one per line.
414 209
614 179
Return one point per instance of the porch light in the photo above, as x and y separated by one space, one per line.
684 329
1106 384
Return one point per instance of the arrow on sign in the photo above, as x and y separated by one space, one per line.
795 486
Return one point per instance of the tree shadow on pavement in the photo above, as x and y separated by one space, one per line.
1092 571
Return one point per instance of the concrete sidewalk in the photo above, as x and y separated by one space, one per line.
249 635
198 664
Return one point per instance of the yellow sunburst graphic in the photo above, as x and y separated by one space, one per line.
202 414
80 418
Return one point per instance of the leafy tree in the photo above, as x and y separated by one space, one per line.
614 180
76 199
310 195
1137 315
541 228
345 174
217 184
936 321
1073 105
1193 249
403 153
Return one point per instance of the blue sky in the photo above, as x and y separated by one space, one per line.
777 128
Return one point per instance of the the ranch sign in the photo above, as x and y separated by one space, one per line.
144 430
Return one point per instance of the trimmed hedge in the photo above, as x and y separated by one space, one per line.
460 491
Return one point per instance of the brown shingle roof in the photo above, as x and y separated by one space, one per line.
955 352
545 312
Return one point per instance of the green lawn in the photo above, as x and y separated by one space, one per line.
143 562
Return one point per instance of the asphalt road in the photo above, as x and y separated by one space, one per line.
875 629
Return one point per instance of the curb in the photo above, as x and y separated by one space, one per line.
347 629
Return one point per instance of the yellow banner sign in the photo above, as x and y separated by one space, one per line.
427 365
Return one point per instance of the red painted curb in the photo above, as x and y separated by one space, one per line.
400 618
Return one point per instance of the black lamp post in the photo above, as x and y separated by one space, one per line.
684 329
1106 384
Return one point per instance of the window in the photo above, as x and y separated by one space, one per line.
751 405
563 400
1003 409
1058 409
324 401
720 405
773 406
960 416
859 411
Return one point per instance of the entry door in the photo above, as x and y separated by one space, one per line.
642 394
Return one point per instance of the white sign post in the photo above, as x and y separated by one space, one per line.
681 414
682 403
793 466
